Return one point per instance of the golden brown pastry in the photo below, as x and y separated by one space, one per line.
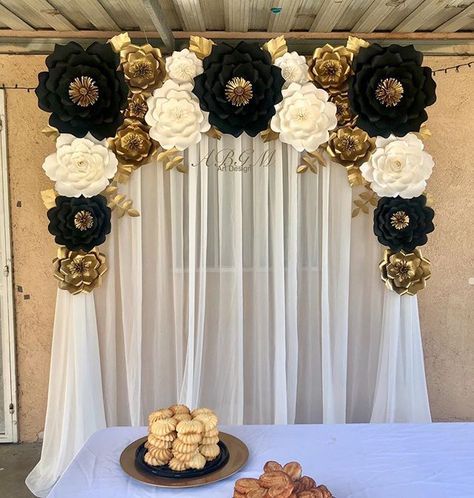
177 465
182 447
189 427
163 427
179 409
198 462
210 451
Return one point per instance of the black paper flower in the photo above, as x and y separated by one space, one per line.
390 90
402 224
83 90
79 223
239 88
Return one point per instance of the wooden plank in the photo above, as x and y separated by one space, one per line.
329 15
213 12
459 21
153 8
420 15
284 20
373 16
98 16
12 20
249 35
39 13
190 14
71 11
237 15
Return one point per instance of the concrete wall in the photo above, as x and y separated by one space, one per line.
446 306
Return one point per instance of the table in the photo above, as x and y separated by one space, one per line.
354 461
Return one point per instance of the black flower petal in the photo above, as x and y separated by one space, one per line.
403 224
80 223
376 64
247 61
102 115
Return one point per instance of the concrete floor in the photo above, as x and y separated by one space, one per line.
16 461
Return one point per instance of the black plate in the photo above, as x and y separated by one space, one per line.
165 471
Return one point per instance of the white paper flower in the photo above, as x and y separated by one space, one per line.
183 66
398 167
80 166
174 115
304 117
293 68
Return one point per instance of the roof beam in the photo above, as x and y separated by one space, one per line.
12 20
190 13
38 11
237 15
459 21
427 9
373 16
157 17
329 14
97 15
284 20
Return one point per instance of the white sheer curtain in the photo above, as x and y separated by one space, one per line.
255 293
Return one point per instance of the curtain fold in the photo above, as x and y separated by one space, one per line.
75 401
244 287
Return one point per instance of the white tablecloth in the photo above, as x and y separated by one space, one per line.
354 461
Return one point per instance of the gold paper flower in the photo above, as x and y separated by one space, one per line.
389 92
132 144
83 91
238 91
143 67
79 271
405 273
343 108
330 67
136 107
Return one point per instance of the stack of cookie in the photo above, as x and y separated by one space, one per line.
210 437
182 439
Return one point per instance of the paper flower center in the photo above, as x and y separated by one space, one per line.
389 92
290 73
141 69
399 220
238 91
403 270
83 220
349 143
137 108
331 69
83 91
184 70
78 267
133 142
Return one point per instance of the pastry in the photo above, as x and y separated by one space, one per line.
210 451
163 427
158 443
208 421
159 414
293 469
190 438
161 454
151 460
245 484
177 465
166 437
275 479
179 409
198 462
179 417
189 427
183 457
198 411
209 440
182 447
211 433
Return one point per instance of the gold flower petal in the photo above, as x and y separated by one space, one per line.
83 91
389 92
143 67
330 67
238 91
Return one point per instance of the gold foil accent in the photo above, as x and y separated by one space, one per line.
343 108
351 146
365 199
399 220
276 47
79 271
201 46
83 220
83 91
49 198
50 131
238 91
405 273
143 67
311 161
424 132
269 135
132 144
354 44
172 158
119 202
330 67
389 92
137 106
213 132
119 42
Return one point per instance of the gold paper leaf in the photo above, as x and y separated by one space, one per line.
302 168
133 212
354 44
50 131
214 133
201 46
269 135
355 212
276 47
119 42
49 198
424 132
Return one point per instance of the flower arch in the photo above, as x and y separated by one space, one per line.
115 107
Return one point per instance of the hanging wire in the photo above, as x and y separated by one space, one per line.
453 68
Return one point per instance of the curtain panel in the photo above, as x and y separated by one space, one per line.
249 288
